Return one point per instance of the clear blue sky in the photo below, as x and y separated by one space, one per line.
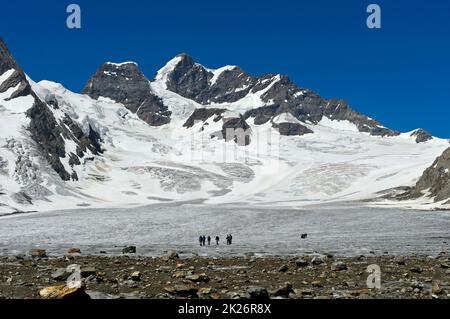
399 75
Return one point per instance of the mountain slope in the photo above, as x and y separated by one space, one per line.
260 98
125 83
191 133
434 183
33 136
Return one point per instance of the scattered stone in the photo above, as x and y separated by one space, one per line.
63 292
206 291
136 276
60 274
179 274
130 284
258 293
417 270
198 278
88 271
436 289
283 268
317 261
400 261
180 265
72 251
304 292
350 284
184 291
172 255
445 266
284 291
129 250
339 266
301 263
417 285
215 296
38 253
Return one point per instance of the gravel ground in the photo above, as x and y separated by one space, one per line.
318 276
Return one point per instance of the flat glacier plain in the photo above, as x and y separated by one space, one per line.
349 229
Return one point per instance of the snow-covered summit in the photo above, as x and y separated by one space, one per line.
128 140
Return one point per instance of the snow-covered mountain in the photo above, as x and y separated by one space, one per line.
192 133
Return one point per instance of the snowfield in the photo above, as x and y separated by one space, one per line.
162 187
344 230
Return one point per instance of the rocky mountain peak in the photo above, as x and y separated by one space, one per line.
12 74
7 62
421 135
261 98
125 83
47 131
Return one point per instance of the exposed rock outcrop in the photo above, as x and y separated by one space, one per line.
234 128
435 181
277 92
195 82
203 114
126 84
45 130
292 129
422 136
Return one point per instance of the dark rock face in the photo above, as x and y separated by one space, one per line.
422 136
292 129
201 115
18 77
7 62
262 115
189 79
233 129
126 84
193 81
48 134
44 128
435 180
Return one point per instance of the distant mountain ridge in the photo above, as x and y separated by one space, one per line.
130 140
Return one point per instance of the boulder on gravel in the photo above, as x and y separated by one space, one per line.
339 266
284 291
129 250
60 274
72 251
198 278
183 291
283 268
136 276
38 253
63 292
317 261
301 263
258 293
